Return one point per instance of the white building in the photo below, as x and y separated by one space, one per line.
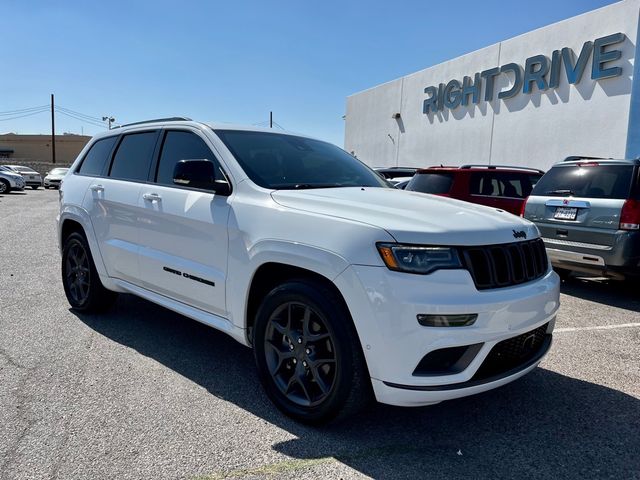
566 89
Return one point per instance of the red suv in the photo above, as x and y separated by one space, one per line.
492 185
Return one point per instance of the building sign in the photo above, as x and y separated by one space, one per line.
538 71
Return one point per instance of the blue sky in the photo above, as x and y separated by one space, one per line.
234 61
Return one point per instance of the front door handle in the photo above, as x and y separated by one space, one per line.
151 197
97 188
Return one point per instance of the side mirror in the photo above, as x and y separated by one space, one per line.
200 174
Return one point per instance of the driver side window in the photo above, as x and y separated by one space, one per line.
180 145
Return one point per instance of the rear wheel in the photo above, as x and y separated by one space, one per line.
308 355
5 187
46 187
80 279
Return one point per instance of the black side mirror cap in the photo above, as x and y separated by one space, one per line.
200 173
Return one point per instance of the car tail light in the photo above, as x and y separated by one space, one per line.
523 207
630 215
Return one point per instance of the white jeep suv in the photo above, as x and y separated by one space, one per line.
344 288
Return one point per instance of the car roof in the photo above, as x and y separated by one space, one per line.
479 168
577 160
183 121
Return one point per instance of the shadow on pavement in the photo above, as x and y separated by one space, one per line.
620 294
544 425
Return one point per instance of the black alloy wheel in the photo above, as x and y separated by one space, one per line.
300 354
308 354
80 279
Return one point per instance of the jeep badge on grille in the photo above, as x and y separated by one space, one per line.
519 234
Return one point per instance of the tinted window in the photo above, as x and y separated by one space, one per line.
97 157
180 146
431 183
603 181
280 161
133 157
502 184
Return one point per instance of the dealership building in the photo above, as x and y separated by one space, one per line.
566 89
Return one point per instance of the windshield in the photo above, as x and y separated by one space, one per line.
58 171
593 181
278 161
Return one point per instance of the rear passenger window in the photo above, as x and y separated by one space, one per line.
97 157
502 184
133 157
180 146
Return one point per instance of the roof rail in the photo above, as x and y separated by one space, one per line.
156 120
494 167
573 158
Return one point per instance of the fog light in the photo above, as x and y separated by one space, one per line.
447 320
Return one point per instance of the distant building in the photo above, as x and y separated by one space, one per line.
37 148
571 88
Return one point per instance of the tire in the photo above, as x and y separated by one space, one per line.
80 279
34 187
294 362
46 187
5 186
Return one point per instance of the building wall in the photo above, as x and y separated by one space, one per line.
37 148
537 129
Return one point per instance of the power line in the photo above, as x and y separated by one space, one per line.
22 110
73 112
84 120
24 115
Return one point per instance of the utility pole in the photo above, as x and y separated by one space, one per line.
109 119
53 133
270 119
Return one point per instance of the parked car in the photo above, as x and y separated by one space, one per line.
32 178
503 187
588 213
344 287
54 177
10 180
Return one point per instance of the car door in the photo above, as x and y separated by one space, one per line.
112 203
183 231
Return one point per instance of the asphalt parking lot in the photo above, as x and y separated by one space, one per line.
145 393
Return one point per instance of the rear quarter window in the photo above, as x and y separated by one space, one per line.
435 183
601 181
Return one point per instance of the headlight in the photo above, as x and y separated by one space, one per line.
418 259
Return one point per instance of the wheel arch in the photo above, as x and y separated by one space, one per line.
271 274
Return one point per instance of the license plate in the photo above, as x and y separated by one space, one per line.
31 177
566 213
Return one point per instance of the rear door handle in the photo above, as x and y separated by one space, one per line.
151 197
97 188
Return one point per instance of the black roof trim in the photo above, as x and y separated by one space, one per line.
156 120
495 167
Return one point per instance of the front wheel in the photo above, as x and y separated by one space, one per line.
308 354
80 279
5 187
34 187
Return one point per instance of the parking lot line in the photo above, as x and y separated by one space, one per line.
601 327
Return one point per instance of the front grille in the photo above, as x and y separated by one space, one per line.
497 266
512 352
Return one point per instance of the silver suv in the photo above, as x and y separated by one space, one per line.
588 213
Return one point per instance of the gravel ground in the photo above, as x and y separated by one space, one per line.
145 393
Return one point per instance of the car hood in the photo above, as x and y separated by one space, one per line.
412 217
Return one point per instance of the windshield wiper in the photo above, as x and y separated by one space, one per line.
560 192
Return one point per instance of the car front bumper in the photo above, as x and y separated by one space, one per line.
384 306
